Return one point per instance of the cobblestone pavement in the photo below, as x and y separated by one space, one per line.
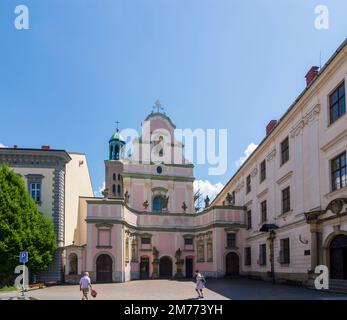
221 289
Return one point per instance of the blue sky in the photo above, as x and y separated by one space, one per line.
214 64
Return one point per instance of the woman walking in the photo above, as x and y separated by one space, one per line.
200 284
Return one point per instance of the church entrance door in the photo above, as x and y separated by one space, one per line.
165 268
232 264
144 268
104 268
338 257
189 268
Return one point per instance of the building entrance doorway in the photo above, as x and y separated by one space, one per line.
165 268
232 264
189 268
104 268
338 257
144 268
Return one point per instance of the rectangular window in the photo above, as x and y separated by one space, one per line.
248 256
35 191
146 240
262 254
188 241
337 103
263 171
231 240
263 206
285 150
339 172
248 184
285 251
249 219
200 251
286 200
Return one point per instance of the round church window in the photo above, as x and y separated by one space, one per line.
159 170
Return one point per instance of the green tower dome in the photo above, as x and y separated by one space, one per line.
116 146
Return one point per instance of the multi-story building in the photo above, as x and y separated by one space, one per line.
294 186
55 179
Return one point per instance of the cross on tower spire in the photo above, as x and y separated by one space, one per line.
157 105
117 123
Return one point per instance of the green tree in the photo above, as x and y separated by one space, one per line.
22 228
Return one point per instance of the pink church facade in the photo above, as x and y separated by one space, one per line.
146 226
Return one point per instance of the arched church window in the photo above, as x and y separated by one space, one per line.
114 177
158 203
118 189
116 151
118 177
114 189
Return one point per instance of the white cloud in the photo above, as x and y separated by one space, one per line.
2 146
98 193
251 147
207 188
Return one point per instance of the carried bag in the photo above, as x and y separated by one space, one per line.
94 293
203 280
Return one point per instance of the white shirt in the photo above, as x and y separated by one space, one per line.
85 282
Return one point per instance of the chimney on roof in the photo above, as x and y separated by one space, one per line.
311 75
46 148
270 126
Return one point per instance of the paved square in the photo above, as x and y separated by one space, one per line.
220 289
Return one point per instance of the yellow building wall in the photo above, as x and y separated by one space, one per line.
77 184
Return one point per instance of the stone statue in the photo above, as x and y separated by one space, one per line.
105 193
155 253
145 205
155 263
126 196
207 202
184 206
166 202
134 250
178 254
229 198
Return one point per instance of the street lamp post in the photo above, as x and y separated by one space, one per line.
272 235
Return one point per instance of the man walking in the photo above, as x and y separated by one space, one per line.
85 284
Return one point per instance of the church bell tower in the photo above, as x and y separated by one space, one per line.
114 166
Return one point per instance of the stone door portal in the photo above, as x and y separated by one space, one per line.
232 264
338 257
144 268
104 268
165 268
189 268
